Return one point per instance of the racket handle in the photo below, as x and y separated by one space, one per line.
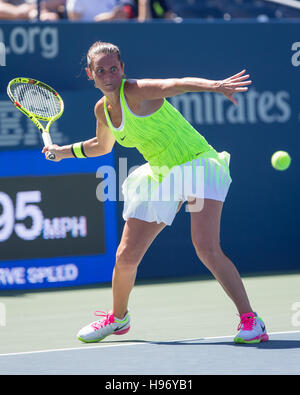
47 141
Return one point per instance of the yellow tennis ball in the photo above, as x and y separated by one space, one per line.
281 160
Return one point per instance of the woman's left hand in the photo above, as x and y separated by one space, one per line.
235 84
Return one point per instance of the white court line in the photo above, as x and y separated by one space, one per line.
132 344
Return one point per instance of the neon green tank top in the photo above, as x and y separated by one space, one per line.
164 138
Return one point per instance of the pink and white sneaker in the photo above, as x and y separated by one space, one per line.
109 325
251 329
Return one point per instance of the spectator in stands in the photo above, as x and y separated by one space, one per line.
27 10
53 9
15 9
100 10
154 9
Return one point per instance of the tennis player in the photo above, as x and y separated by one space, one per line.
135 113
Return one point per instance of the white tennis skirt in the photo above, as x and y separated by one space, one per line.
153 194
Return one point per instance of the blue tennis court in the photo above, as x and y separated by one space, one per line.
204 356
40 332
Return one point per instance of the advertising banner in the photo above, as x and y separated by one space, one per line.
54 231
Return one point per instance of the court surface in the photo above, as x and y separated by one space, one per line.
178 328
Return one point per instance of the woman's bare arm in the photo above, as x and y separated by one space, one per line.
102 144
151 89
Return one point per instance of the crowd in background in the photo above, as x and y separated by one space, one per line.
143 10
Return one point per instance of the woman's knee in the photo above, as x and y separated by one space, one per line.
208 252
127 257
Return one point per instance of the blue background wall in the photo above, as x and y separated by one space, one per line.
261 215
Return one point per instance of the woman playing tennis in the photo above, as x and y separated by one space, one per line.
135 113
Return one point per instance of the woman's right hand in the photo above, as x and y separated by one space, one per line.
53 149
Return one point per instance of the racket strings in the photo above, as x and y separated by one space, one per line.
36 99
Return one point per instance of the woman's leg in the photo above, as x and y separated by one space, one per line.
136 239
205 232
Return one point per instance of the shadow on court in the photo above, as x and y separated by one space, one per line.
269 345
210 356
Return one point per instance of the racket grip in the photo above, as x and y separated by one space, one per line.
47 141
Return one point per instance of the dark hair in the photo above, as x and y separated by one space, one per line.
100 47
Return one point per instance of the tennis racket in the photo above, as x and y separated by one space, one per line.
39 102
